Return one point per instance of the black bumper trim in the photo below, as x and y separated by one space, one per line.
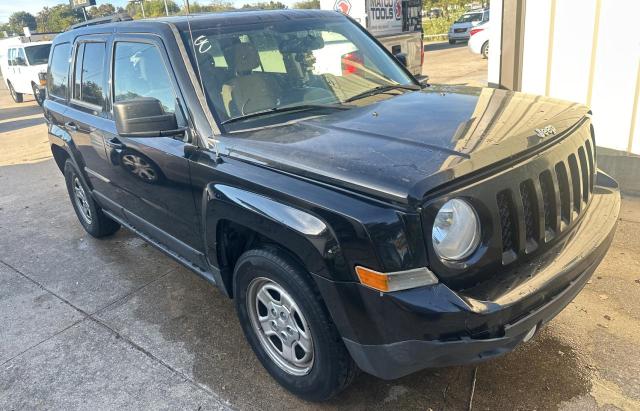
391 361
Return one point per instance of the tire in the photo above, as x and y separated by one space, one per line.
90 215
17 97
452 42
325 368
485 50
37 94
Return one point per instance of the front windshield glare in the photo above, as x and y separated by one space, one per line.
307 62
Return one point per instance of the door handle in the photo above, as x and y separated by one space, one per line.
115 144
71 126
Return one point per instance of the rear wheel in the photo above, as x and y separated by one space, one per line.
485 50
288 326
17 97
94 221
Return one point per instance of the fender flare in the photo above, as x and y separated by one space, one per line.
302 233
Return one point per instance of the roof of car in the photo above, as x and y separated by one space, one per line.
32 43
231 17
196 21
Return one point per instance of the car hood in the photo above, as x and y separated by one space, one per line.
400 148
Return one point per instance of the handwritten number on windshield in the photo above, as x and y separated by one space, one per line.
202 43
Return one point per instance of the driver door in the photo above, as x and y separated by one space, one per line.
152 171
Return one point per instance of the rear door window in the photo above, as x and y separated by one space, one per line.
59 71
89 73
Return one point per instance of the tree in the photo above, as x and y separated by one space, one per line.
271 5
212 7
103 10
152 8
4 28
21 19
307 4
58 18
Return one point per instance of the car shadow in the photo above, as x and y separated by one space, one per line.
18 124
443 46
7 113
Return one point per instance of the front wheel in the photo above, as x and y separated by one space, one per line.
288 327
38 95
17 97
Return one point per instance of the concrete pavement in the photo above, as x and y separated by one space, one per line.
113 323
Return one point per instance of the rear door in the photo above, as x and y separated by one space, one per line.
87 117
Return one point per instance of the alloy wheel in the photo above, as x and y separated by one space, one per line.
281 326
81 200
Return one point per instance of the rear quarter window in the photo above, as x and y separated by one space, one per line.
57 82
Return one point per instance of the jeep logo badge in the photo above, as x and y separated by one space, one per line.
545 131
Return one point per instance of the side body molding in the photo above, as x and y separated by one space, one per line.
308 237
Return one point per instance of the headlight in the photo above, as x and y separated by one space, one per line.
456 230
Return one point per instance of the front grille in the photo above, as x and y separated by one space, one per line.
539 208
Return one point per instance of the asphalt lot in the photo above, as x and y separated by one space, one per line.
454 64
113 323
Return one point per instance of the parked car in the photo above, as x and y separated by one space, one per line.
479 41
435 13
21 66
359 220
460 29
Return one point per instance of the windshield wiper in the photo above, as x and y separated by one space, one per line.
382 89
284 109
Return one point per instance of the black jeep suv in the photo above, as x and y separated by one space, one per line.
358 219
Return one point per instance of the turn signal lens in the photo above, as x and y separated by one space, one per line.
399 280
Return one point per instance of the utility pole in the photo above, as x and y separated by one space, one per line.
166 9
142 7
186 3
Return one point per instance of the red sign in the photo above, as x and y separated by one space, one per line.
343 6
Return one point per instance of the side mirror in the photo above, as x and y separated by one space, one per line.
144 117
402 58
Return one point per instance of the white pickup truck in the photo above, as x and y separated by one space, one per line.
397 24
21 63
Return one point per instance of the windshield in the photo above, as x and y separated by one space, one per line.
38 54
314 63
468 18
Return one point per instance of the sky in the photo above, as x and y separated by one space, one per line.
8 7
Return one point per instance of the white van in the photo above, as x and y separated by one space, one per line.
21 64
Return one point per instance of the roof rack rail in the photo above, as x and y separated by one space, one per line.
101 20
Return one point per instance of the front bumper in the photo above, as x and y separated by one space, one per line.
391 335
